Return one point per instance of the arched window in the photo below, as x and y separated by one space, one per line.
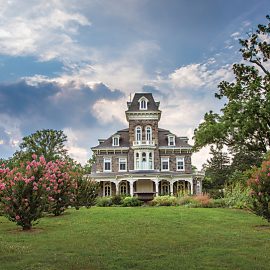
165 188
144 156
143 104
123 188
138 132
107 189
148 131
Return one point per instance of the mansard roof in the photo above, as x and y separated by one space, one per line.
124 140
152 105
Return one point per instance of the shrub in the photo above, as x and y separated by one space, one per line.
237 196
164 201
62 191
202 200
185 200
219 203
117 200
104 201
216 193
131 201
26 190
260 190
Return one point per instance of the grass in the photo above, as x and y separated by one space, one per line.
139 238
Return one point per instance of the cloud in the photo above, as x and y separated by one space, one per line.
26 108
46 30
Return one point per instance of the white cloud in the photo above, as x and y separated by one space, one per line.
44 29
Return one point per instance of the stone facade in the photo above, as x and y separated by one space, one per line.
144 156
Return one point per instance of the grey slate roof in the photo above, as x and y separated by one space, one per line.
124 140
163 139
134 105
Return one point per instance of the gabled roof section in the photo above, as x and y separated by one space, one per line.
123 141
152 105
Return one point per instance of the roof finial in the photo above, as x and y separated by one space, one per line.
130 97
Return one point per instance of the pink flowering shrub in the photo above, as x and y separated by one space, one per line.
260 190
62 186
26 191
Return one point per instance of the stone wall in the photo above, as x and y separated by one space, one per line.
172 161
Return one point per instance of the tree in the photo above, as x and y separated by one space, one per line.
244 121
47 142
217 169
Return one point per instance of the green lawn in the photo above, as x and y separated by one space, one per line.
139 238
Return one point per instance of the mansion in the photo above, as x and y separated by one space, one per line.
144 160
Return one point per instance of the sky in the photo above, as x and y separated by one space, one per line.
72 65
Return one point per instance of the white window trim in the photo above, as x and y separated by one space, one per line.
171 136
165 159
115 137
151 135
140 103
125 159
107 159
109 184
136 137
178 159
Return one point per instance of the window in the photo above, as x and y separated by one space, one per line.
148 132
122 164
180 164
165 164
107 165
165 188
115 141
107 189
123 188
171 140
150 161
137 160
143 104
138 132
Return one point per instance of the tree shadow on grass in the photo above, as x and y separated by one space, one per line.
262 227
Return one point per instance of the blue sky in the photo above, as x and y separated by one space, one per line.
72 65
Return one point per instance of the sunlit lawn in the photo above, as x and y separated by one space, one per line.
139 238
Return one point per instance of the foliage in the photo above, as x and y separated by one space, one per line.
217 169
164 201
260 190
117 200
184 200
104 201
201 201
26 190
89 164
47 142
243 125
62 194
237 196
131 201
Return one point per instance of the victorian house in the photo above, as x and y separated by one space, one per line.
144 160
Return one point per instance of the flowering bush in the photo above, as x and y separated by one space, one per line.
164 201
62 185
260 190
25 191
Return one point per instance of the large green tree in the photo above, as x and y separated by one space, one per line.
47 142
244 120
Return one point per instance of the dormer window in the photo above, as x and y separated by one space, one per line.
171 140
115 140
143 102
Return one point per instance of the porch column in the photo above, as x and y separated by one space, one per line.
131 188
156 182
117 188
191 187
171 188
